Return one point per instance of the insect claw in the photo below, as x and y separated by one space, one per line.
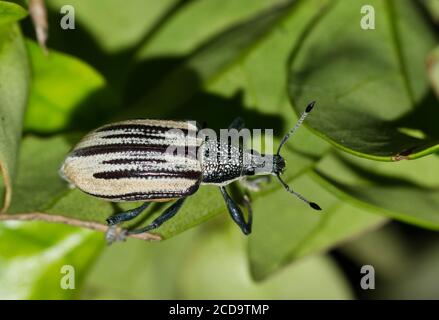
114 234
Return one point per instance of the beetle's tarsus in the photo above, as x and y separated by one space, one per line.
114 234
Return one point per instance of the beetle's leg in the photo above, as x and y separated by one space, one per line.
254 184
236 213
165 216
237 123
127 215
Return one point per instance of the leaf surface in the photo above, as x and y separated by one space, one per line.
286 229
36 256
61 84
370 85
403 196
14 85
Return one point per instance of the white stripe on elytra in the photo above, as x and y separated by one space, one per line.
185 125
92 164
97 139
124 186
170 158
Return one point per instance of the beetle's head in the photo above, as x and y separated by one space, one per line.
278 164
262 164
256 163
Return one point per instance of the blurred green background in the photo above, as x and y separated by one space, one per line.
368 154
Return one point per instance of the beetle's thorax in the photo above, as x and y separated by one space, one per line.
223 162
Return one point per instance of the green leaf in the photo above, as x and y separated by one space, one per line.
312 278
61 84
37 182
286 229
196 22
148 271
211 60
186 49
151 28
123 42
181 268
370 85
134 54
246 89
33 254
10 12
394 194
114 24
14 84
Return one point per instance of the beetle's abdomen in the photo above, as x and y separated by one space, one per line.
136 160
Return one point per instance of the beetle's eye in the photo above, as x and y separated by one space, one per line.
250 172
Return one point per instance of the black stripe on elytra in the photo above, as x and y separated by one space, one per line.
188 152
142 195
133 135
141 127
153 174
139 196
133 160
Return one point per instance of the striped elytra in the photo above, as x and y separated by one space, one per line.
128 161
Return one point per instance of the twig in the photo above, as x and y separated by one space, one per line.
73 222
38 12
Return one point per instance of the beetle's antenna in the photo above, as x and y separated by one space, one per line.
313 205
298 124
283 141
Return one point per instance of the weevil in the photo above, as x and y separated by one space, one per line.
131 161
